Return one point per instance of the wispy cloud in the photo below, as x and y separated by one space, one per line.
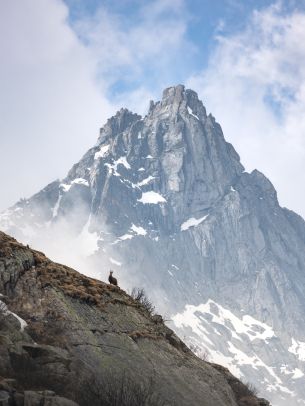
50 107
137 51
255 85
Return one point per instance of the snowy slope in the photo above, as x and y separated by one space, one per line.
246 346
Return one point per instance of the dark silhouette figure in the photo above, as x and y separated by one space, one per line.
112 280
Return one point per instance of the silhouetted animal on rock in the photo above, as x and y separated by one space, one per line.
112 280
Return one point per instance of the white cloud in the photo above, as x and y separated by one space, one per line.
121 43
255 86
50 107
148 50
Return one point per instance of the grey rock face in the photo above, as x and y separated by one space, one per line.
80 331
170 207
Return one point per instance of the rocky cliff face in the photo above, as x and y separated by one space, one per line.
165 200
68 340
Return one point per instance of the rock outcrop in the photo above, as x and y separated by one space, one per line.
68 340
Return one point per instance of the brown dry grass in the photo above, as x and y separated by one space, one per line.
77 286
136 335
65 279
8 246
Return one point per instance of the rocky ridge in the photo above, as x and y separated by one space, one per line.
63 333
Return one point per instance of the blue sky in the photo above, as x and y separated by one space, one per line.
206 20
67 65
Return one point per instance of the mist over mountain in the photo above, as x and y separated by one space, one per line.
165 201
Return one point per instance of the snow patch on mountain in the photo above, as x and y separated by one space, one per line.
192 222
237 342
151 198
103 151
78 181
113 168
296 373
123 161
246 325
138 230
126 237
144 182
298 348
190 111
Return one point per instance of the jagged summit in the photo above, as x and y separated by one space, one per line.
117 124
180 98
165 201
175 99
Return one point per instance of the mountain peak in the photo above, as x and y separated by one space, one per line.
180 99
173 93
165 202
178 93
